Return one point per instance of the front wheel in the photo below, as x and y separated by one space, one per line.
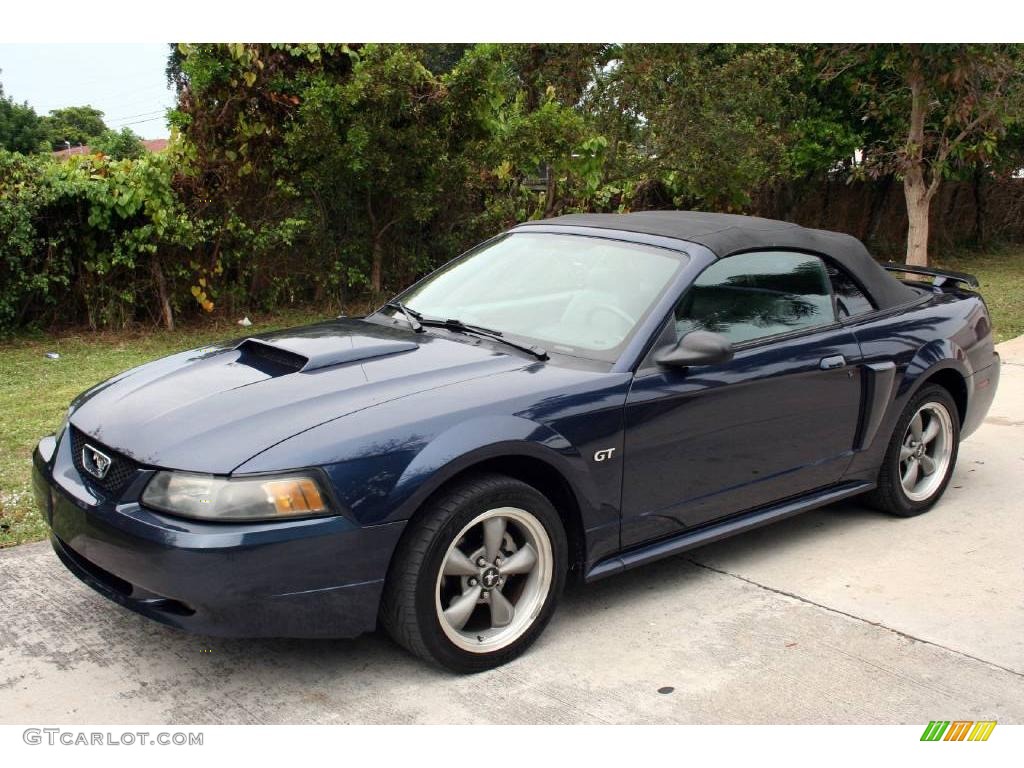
476 578
921 456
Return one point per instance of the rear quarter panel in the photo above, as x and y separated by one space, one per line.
946 329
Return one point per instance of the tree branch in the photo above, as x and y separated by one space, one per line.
387 226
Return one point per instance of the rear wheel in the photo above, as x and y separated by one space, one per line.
921 455
477 577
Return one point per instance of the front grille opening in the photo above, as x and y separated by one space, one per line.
122 587
121 470
105 577
166 605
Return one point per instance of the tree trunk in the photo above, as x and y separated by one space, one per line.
918 203
916 189
377 253
377 267
549 202
166 315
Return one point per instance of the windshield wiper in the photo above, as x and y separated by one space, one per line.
417 321
454 324
410 314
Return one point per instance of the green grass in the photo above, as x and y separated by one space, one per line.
1001 275
35 391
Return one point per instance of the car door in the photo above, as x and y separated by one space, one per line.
777 420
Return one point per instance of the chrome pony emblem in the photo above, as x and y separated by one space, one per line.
96 462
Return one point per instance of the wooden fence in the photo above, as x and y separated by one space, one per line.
963 213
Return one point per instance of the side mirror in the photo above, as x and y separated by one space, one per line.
696 348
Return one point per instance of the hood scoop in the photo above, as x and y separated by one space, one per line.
292 354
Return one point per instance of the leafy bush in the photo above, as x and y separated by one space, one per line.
323 173
88 238
118 145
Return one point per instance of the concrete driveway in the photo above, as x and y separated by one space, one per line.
840 616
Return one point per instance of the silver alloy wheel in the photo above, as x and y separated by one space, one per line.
925 451
494 580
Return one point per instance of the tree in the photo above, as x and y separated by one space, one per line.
517 114
567 68
235 102
78 125
936 109
21 129
91 239
375 144
235 105
710 121
316 172
122 145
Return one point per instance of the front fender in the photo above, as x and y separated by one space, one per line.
479 439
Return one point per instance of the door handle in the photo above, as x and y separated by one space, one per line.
831 363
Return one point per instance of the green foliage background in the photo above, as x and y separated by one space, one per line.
327 173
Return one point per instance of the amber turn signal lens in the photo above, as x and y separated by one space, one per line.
206 497
294 495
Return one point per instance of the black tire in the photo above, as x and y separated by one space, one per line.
409 609
890 495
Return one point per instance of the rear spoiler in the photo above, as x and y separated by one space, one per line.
941 276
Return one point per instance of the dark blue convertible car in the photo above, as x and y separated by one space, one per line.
579 396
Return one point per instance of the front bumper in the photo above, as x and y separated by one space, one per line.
320 577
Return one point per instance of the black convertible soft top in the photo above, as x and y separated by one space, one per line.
725 234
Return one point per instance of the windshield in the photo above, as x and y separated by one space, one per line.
574 295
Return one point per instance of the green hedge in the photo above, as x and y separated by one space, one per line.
109 242
84 238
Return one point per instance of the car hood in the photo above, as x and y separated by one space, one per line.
211 409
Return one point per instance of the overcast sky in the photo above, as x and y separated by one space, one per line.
124 80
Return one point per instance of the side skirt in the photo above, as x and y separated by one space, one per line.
724 529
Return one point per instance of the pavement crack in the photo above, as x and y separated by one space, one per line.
878 624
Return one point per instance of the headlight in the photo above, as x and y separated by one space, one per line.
219 498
